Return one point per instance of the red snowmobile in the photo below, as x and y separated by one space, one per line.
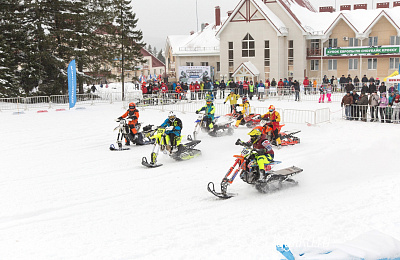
246 166
287 138
250 121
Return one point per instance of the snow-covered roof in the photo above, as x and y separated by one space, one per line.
359 20
249 67
199 43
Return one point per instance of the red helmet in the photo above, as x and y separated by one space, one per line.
244 99
132 106
271 108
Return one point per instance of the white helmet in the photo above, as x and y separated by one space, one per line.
172 116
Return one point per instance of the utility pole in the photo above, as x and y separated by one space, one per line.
197 18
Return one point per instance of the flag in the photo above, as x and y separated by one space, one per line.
72 83
155 76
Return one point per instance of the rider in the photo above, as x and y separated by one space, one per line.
245 111
233 98
209 110
173 128
133 114
262 146
274 118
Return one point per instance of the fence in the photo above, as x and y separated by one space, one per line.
386 114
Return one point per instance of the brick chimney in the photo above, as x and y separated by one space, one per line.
229 13
360 6
382 5
326 9
345 7
217 16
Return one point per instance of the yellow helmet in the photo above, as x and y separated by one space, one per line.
255 135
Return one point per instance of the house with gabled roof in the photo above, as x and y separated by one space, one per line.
263 39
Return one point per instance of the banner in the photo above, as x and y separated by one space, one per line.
72 83
188 74
361 50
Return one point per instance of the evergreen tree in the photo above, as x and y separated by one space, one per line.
154 52
128 38
161 57
149 48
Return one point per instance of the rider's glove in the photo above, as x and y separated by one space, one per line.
169 128
274 120
238 142
118 119
197 111
133 117
259 151
224 103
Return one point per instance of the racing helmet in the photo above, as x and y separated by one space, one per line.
132 106
244 99
209 100
171 116
271 108
255 134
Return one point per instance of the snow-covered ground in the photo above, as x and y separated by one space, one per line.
64 195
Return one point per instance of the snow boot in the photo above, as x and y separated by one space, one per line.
262 174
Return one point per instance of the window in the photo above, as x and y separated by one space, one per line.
189 63
332 43
267 59
332 65
372 64
248 46
394 63
204 63
353 42
314 64
373 41
394 40
353 64
290 52
315 44
218 66
230 54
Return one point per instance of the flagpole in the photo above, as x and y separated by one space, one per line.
197 18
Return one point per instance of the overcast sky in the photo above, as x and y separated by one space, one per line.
160 18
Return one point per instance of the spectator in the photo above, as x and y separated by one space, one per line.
365 88
343 83
222 88
251 90
389 110
93 88
391 89
322 90
355 108
356 82
373 103
372 88
280 87
296 87
371 80
335 84
245 88
382 89
315 86
349 79
383 103
347 100
364 79
306 84
260 90
396 109
329 92
363 103
349 87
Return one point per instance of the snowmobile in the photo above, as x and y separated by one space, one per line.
287 138
183 152
246 166
141 138
222 126
250 121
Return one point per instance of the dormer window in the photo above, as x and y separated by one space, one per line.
248 46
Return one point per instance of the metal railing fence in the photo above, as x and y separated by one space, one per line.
366 113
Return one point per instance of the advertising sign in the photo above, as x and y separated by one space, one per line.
72 83
188 74
361 50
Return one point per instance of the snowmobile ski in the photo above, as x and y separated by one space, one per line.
221 195
150 165
277 180
112 148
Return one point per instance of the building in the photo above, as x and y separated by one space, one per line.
263 39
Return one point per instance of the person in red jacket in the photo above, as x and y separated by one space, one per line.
133 114
144 89
245 88
274 117
306 84
280 87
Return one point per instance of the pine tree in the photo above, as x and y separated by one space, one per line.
149 48
128 38
154 52
160 56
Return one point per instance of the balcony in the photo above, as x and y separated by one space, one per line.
313 52
194 49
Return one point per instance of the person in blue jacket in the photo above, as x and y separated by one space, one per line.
173 129
209 111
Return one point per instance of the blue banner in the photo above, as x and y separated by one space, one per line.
72 83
